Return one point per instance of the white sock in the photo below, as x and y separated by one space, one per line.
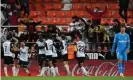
67 69
27 71
17 70
83 70
14 71
42 71
5 71
56 70
48 71
53 71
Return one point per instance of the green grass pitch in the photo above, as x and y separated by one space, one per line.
67 78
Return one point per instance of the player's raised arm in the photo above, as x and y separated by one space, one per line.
114 44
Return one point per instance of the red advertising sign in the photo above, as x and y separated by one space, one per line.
93 67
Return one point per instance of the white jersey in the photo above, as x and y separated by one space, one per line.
49 47
7 48
41 44
54 52
80 49
64 50
23 54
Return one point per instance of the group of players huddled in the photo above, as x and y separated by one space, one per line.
47 55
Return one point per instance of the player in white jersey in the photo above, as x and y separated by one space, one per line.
81 55
23 59
65 55
48 56
8 55
41 54
54 60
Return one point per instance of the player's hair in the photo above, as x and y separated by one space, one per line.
123 26
63 37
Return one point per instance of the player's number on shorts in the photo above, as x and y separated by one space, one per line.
81 48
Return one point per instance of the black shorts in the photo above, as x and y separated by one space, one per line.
65 57
8 60
41 58
23 64
54 59
48 58
80 59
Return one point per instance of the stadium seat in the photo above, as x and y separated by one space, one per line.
69 20
33 14
31 1
43 19
115 14
41 13
32 7
35 19
114 6
106 20
57 1
130 14
39 1
62 21
75 1
70 13
61 13
95 5
130 20
58 6
84 1
87 14
51 13
48 1
121 20
80 13
39 6
76 6
108 14
48 6
52 21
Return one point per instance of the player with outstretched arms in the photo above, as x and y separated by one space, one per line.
8 55
122 41
80 54
23 59
64 54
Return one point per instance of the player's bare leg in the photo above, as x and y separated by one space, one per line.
56 69
5 69
83 69
67 67
52 68
17 70
27 71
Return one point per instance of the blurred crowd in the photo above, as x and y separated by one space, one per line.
96 36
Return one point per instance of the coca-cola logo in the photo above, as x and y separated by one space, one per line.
104 69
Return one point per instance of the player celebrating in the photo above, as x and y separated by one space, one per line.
48 54
65 55
123 45
8 55
54 60
81 55
41 55
23 59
